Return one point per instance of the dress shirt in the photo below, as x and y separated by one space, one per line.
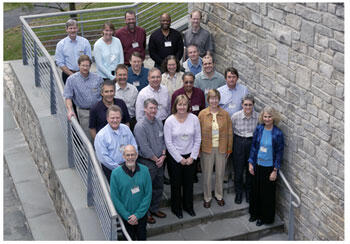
108 56
197 100
68 52
242 125
182 138
128 95
172 83
162 97
109 145
202 39
132 41
140 80
161 46
98 119
195 69
231 99
149 136
84 91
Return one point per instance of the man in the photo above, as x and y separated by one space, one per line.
84 89
131 193
150 140
231 97
137 74
165 41
209 78
126 92
243 124
194 62
111 140
98 118
157 91
197 35
132 37
69 49
195 95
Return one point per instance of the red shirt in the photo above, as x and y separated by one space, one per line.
197 100
127 39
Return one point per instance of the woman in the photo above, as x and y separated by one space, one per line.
108 52
172 77
182 136
216 147
264 162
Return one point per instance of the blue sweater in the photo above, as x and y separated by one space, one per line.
125 202
277 145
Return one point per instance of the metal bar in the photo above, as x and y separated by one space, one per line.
70 146
52 93
24 53
81 26
291 219
297 203
90 200
36 66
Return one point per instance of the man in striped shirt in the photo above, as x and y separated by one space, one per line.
244 123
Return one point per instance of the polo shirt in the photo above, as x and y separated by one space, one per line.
204 83
202 39
141 80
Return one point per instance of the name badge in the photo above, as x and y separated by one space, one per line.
263 149
136 83
215 132
232 106
185 137
112 57
121 148
160 133
195 107
167 44
135 44
206 90
135 190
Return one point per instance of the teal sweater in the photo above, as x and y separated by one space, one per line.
124 201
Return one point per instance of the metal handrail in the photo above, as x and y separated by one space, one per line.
292 205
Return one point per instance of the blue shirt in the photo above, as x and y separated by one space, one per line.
109 145
68 52
84 91
108 56
265 150
231 99
195 69
141 80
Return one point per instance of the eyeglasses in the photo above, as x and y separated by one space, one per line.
248 105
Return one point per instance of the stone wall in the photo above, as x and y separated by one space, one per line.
291 56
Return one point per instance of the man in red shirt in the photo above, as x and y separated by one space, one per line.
132 37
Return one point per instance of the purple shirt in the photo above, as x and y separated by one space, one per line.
197 100
98 113
182 138
129 40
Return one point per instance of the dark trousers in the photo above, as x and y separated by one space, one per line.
137 232
132 123
64 77
262 199
107 173
181 178
241 150
157 182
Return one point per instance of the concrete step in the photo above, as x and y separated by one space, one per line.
38 208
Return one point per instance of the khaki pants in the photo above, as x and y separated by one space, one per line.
84 116
207 163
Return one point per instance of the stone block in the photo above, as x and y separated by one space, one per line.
329 108
307 32
308 126
323 30
322 157
333 22
325 127
322 115
303 77
276 14
339 11
322 7
339 36
322 40
323 136
253 6
282 53
312 109
332 8
338 61
312 64
292 98
308 13
326 58
336 124
336 46
293 21
326 70
256 19
339 114
329 88
282 34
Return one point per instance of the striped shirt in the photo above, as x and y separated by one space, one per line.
242 125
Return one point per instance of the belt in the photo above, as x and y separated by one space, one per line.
84 108
243 137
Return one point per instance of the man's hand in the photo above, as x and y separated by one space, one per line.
132 220
70 114
160 161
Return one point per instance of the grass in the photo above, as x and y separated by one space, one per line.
11 6
13 38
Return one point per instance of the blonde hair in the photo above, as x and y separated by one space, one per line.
179 98
270 110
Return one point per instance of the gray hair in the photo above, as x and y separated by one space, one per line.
273 112
71 22
148 101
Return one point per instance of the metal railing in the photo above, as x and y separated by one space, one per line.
292 204
39 34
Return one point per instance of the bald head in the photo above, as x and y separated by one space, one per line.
165 21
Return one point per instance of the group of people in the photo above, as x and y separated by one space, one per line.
185 117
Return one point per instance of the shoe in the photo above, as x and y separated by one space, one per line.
220 202
159 214
252 218
238 198
150 219
166 181
247 197
178 214
191 212
259 222
206 204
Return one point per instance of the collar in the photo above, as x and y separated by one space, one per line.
128 171
116 132
84 78
117 87
199 30
192 65
154 90
168 76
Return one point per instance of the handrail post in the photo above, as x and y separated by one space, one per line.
70 145
82 25
111 236
36 66
24 51
90 200
52 93
291 219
